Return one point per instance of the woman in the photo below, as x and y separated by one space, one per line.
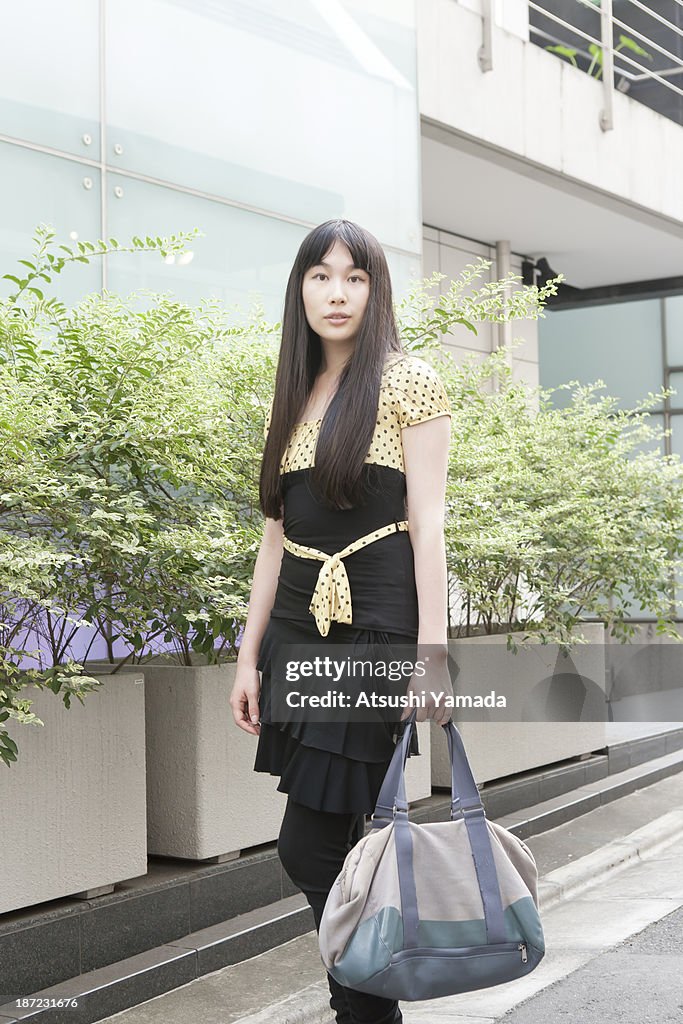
356 427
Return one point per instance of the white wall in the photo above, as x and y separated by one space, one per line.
450 253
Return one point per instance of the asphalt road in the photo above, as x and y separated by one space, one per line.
639 981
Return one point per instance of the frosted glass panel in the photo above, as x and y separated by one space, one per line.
676 382
677 435
619 344
49 74
403 269
39 188
674 330
289 107
242 256
391 27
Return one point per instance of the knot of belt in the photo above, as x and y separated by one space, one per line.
331 599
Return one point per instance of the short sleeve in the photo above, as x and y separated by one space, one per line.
421 394
266 425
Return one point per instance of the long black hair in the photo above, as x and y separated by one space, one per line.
349 422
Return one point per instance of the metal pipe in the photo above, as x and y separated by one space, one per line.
607 112
485 54
503 268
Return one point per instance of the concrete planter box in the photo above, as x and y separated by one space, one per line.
73 804
496 749
204 799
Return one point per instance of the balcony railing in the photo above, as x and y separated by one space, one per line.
630 46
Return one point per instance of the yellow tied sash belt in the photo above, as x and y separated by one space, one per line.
331 599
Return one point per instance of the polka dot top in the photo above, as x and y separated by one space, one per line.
373 586
411 392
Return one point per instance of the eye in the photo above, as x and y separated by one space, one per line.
356 277
319 274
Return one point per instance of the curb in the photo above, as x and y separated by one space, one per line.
588 871
311 1004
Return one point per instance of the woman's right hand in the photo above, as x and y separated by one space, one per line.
244 699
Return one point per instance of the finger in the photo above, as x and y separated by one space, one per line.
241 714
254 713
237 713
255 730
251 716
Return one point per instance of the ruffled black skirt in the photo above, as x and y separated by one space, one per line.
336 766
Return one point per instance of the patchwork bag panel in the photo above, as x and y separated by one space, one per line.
420 911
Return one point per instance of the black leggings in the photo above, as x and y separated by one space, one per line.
312 846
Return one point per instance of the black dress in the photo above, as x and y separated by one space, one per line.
339 765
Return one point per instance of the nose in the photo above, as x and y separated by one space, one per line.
337 292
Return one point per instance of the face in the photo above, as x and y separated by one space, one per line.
335 295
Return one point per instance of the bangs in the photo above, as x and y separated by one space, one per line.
321 240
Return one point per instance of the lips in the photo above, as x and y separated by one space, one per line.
337 316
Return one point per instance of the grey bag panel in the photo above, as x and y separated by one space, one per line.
424 974
445 875
378 942
422 911
353 894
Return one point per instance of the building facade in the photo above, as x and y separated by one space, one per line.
452 129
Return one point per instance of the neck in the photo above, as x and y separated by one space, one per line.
334 358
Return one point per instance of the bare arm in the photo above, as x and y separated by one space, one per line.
425 451
264 585
245 692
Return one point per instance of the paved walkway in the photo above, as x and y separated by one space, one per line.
628 851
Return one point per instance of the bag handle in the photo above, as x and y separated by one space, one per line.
392 793
392 806
464 792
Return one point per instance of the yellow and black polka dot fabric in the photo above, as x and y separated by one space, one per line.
382 581
411 392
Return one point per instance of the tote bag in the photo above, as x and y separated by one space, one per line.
420 911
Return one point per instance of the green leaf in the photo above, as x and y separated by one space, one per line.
631 44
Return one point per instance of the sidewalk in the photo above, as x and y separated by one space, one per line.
603 877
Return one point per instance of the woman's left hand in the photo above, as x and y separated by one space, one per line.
433 690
